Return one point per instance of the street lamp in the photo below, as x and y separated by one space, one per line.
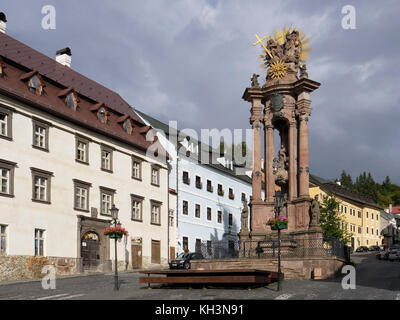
278 207
114 215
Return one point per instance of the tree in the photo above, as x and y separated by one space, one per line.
346 180
331 220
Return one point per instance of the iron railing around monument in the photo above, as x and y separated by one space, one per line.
290 248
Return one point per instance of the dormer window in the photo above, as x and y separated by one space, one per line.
2 67
127 126
35 85
71 100
102 115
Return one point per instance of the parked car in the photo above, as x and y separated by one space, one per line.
394 255
182 261
362 249
381 255
373 248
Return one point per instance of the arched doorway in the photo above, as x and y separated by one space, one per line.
90 250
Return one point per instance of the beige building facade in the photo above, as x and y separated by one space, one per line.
360 217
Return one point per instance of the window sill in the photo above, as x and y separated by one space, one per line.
105 214
106 170
156 224
138 179
82 210
40 148
137 220
155 185
6 138
41 201
82 162
7 195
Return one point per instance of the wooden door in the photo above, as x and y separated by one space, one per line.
155 252
137 256
171 253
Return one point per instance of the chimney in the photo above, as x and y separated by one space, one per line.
3 21
63 56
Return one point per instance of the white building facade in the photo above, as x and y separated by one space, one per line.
66 156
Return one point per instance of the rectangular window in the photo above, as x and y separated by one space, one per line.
171 217
185 177
155 176
3 239
231 194
244 199
372 216
82 150
7 178
209 247
367 230
230 219
5 123
185 207
199 185
155 213
209 186
219 216
106 159
359 229
185 243
137 207
136 169
41 185
220 190
198 246
81 195
359 214
106 200
345 209
209 214
39 242
197 211
40 135
367 215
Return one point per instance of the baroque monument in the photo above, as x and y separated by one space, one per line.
282 103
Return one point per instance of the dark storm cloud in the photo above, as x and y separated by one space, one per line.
191 61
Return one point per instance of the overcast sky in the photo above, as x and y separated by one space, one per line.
191 61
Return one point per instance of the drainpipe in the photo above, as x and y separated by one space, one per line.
168 213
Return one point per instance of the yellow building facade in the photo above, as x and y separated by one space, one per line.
360 217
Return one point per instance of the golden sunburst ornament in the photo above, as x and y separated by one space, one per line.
277 69
282 50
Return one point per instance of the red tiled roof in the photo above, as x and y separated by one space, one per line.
59 80
396 210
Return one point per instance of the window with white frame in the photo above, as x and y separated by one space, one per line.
39 242
41 185
5 180
137 205
82 149
3 239
106 159
155 213
107 199
40 135
5 123
171 217
81 195
155 176
136 169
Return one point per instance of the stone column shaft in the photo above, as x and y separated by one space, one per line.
292 162
269 161
255 120
303 157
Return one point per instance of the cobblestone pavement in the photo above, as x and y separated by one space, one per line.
375 280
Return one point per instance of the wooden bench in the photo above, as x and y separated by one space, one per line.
227 276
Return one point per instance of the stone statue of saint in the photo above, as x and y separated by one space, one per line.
315 213
303 71
254 81
245 218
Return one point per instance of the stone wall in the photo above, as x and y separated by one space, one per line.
293 268
29 267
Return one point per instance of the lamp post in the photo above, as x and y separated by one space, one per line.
277 208
114 215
